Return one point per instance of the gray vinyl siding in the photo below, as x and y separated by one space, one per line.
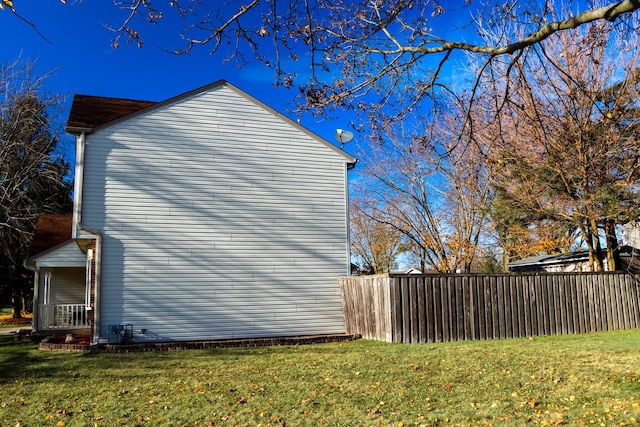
220 220
67 285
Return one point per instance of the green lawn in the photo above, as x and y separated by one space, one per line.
582 379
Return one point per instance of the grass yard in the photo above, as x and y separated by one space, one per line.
589 379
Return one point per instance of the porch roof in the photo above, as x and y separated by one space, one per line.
51 230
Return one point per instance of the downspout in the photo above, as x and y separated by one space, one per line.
349 166
97 256
77 225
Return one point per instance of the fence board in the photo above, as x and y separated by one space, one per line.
430 311
570 303
467 308
632 294
396 314
421 310
580 312
434 308
606 305
459 307
519 304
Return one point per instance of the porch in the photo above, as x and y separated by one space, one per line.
62 286
53 317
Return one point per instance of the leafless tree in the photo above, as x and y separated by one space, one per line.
437 192
32 171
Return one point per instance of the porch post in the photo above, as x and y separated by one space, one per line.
35 321
88 279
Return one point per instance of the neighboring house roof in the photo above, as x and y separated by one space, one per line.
88 112
547 260
85 116
51 230
629 256
408 270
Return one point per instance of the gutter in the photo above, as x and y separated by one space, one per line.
348 216
97 256
77 225
350 166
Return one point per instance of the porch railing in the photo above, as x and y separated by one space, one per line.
63 316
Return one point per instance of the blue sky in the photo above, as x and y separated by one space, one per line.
81 60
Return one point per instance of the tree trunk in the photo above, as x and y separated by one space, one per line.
595 238
613 258
16 305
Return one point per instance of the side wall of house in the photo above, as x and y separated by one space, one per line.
219 220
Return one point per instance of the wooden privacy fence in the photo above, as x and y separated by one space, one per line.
433 308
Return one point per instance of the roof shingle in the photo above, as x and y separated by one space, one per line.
88 112
51 230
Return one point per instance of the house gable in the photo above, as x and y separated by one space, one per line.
92 113
65 254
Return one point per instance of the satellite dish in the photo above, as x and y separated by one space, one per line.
343 136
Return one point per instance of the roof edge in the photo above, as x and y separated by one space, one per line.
73 130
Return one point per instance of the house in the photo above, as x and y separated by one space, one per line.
206 216
571 262
575 262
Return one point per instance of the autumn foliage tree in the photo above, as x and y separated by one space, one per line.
559 124
375 244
